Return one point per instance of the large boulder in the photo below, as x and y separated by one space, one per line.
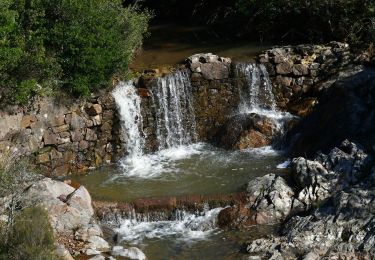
339 189
269 200
210 66
71 215
345 111
248 131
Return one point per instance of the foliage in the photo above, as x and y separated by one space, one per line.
318 20
31 237
72 45
349 20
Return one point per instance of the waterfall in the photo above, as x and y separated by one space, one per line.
257 97
183 225
129 107
172 96
175 124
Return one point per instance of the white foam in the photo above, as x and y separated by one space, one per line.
284 165
262 151
189 227
164 161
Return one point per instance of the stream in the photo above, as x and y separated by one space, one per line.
184 166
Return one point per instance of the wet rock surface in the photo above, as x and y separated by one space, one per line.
248 131
336 192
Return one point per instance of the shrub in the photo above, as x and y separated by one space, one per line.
68 45
31 237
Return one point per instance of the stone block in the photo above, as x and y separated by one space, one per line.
50 138
94 110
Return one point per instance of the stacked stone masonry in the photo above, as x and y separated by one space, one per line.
62 138
72 138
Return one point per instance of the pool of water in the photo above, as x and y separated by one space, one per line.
195 169
170 44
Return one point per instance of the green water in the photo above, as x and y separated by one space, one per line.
199 169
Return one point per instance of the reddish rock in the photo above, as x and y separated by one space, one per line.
94 110
144 93
233 217
252 139
28 120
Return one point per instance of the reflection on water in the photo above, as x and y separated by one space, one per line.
171 44
195 169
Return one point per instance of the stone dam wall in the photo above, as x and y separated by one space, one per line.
74 136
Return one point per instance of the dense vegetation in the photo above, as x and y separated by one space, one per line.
289 20
69 45
26 233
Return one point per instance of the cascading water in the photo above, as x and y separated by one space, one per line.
175 124
258 96
184 225
172 96
129 105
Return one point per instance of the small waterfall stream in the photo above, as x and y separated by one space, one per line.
175 124
129 104
257 97
172 101
175 116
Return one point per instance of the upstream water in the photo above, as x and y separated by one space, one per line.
183 166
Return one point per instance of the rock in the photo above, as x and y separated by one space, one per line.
90 135
247 131
97 120
131 253
50 138
77 122
284 81
270 200
64 218
94 110
28 120
144 92
300 70
98 243
303 107
215 70
42 158
348 103
284 68
58 121
63 253
252 139
61 128
343 223
62 170
77 136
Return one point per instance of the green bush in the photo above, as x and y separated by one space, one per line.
70 45
31 237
